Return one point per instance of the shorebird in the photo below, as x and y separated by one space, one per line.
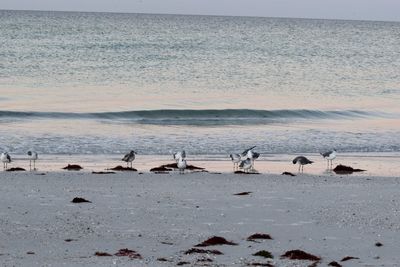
181 165
329 156
5 158
246 165
129 158
33 156
301 160
178 155
250 154
236 158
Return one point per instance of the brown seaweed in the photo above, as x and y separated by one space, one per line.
300 255
216 240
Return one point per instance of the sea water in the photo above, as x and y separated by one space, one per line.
106 83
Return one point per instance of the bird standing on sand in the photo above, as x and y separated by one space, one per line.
129 158
301 160
181 165
5 158
178 155
246 165
329 156
33 156
236 158
250 154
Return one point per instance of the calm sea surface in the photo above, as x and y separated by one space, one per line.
99 83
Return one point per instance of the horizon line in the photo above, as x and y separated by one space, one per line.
205 15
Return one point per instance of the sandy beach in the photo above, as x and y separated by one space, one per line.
161 216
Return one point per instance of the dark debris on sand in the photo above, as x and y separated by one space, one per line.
216 240
30 253
264 253
243 193
103 172
166 243
182 263
80 200
378 244
128 253
253 237
288 173
16 169
347 258
300 255
334 264
162 169
260 264
70 240
163 260
102 254
342 169
121 168
203 251
174 166
242 172
72 167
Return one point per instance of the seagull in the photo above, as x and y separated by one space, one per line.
5 158
329 156
301 160
129 158
33 156
178 155
244 153
246 165
249 153
181 165
236 158
255 156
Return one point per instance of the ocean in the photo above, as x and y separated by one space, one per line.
105 83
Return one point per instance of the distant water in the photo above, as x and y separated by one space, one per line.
95 83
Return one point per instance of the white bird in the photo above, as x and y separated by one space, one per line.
250 154
236 158
129 157
246 165
5 158
301 160
181 165
329 156
178 155
244 153
33 156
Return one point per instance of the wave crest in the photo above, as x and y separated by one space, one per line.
194 117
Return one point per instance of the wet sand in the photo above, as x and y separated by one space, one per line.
160 216
375 164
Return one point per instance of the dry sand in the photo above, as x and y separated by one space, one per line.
163 215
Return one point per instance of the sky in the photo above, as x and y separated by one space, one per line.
386 10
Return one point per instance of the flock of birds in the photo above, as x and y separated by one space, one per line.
244 160
5 158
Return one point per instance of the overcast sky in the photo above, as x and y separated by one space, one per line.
336 9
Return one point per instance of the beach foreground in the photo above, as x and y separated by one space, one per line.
161 216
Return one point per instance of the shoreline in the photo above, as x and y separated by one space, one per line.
375 164
164 215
